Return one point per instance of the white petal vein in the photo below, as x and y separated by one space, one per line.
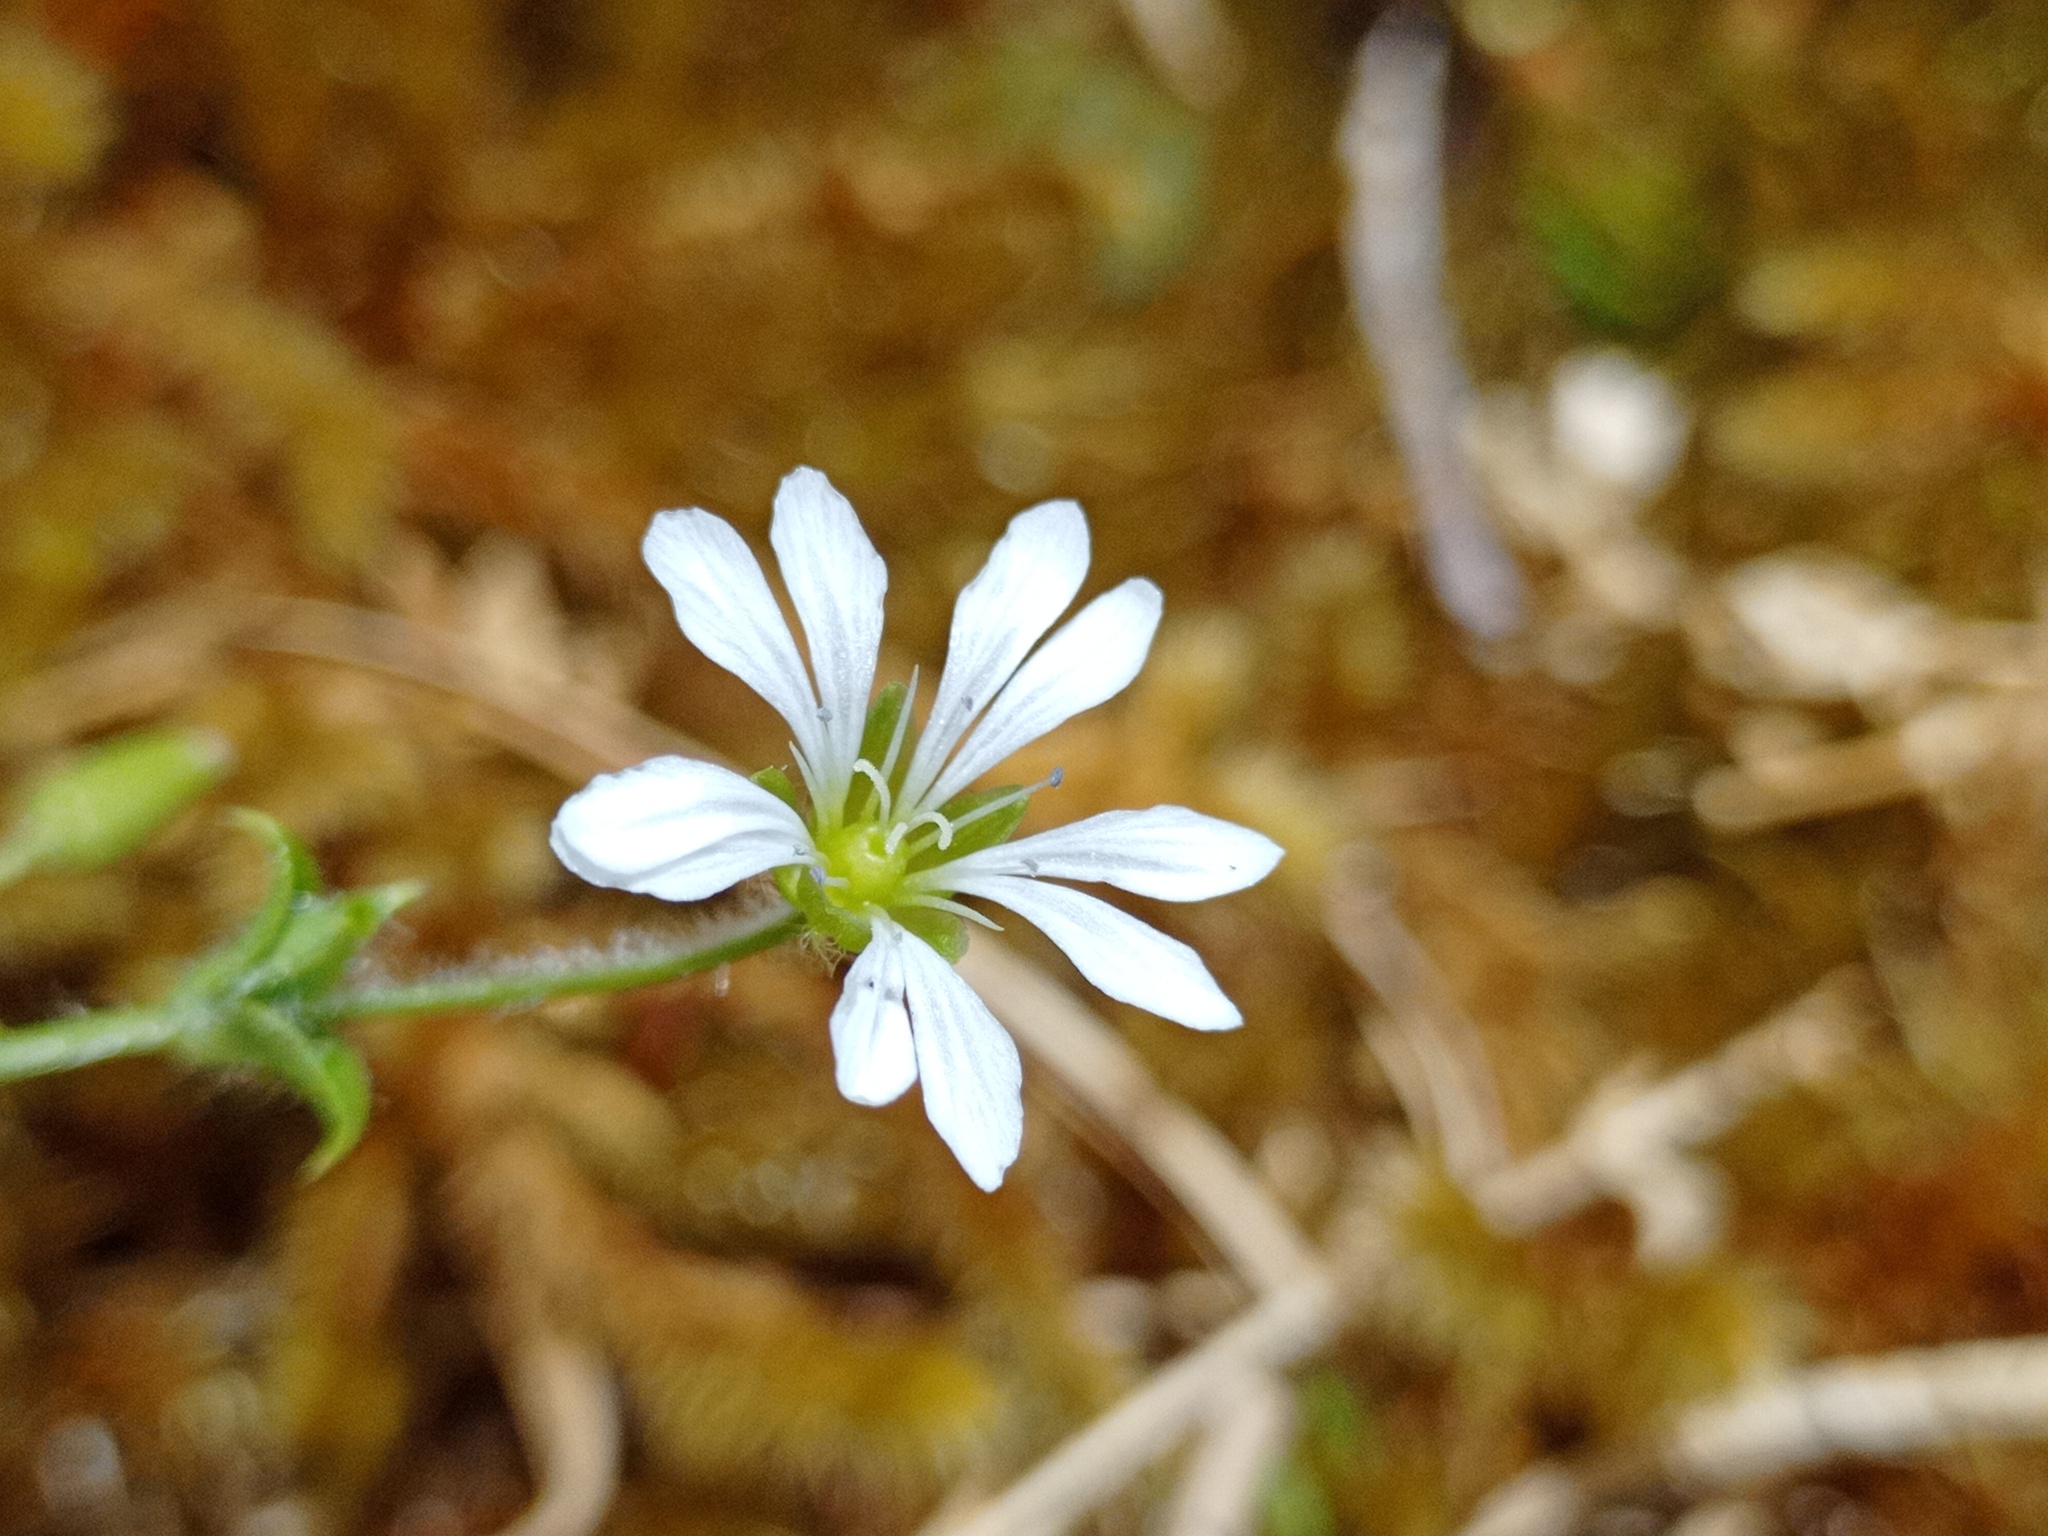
725 609
1131 961
1032 574
1168 852
973 1079
1092 657
675 828
836 582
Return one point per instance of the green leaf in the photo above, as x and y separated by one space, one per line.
109 800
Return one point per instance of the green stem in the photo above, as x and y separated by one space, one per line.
526 980
61 1044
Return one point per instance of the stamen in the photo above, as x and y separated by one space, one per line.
1003 802
879 778
903 829
806 773
902 729
958 909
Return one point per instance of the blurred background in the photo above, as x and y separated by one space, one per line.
1622 607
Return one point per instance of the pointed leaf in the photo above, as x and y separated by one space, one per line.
322 1069
293 874
321 937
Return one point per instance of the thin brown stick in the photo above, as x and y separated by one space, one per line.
1289 1323
156 655
1428 1047
566 1406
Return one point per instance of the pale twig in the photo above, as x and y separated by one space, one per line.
1391 148
565 1403
1104 1075
1889 1405
1085 1469
1908 1403
1429 1049
1542 1501
125 669
1926 755
1631 1140
1193 44
1231 1463
1300 1306
572 731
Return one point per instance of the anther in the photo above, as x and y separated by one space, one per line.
1003 802
902 728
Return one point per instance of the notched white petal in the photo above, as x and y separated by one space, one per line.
725 609
973 1080
837 581
675 828
872 1052
1132 961
1093 657
1032 574
1168 852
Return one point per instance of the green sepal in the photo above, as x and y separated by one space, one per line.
944 931
801 888
322 1069
110 799
996 827
777 783
321 936
881 726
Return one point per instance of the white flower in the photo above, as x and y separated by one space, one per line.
887 833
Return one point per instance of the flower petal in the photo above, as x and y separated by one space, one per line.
973 1081
1168 852
725 609
1093 657
1031 575
675 828
871 1044
1131 961
836 580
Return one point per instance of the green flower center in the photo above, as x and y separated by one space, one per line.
859 854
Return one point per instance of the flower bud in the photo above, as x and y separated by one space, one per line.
110 799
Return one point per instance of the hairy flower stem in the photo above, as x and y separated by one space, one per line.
523 981
61 1044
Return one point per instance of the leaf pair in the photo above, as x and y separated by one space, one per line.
254 1003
